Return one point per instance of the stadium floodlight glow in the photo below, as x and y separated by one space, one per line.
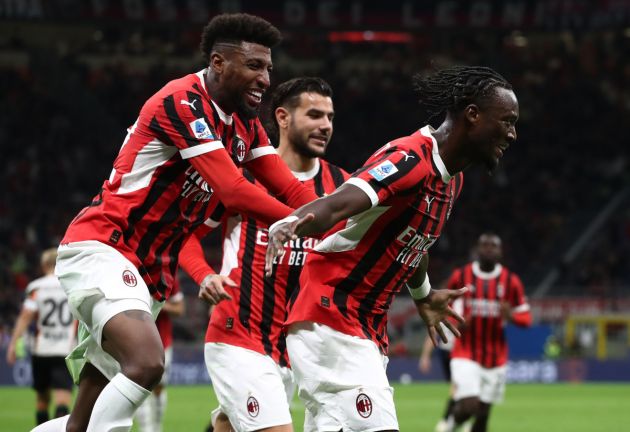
370 36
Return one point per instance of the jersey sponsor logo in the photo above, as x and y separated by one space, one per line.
484 308
190 104
416 244
129 278
383 170
200 129
196 187
241 149
253 407
364 405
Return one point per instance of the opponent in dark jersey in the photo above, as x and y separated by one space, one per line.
395 207
178 161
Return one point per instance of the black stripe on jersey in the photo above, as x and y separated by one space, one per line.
403 170
245 301
164 179
155 126
485 320
318 181
269 297
293 285
176 121
372 164
428 220
282 349
198 88
368 261
336 174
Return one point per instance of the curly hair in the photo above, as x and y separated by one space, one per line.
236 28
287 94
452 89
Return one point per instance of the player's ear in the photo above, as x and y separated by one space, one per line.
471 112
217 62
283 116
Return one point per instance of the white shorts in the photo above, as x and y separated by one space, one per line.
252 389
341 380
100 283
473 380
168 361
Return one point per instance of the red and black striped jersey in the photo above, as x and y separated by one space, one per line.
254 317
155 196
483 336
350 279
164 322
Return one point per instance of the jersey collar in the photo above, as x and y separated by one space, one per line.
486 275
427 131
225 118
307 175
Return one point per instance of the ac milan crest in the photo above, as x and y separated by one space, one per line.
129 278
364 405
240 149
252 406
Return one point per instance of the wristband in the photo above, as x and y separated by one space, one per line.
422 291
288 219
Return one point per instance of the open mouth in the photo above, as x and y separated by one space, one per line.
319 139
254 97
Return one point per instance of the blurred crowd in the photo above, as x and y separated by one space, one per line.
66 106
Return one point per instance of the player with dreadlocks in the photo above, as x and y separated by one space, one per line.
385 218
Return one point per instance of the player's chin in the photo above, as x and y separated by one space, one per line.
247 111
491 164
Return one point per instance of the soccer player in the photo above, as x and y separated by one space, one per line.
245 349
478 365
56 336
444 356
150 414
394 209
180 159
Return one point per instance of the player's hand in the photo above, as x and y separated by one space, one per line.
212 288
435 309
278 236
424 364
11 356
506 311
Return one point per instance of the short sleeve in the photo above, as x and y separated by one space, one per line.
185 119
396 171
30 302
517 299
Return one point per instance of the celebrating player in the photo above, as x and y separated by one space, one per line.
396 207
56 331
495 297
118 258
245 347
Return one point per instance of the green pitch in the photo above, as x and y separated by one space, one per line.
528 408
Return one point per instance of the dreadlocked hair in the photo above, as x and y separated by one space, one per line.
237 28
288 94
452 89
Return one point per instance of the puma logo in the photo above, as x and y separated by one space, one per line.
190 104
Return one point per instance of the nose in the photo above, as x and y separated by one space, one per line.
264 79
326 125
512 134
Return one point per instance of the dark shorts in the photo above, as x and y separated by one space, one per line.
50 373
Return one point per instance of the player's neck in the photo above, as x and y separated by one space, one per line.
218 96
487 266
295 161
449 140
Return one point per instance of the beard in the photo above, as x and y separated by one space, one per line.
300 144
246 112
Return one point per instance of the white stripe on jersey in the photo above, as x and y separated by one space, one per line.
211 223
231 245
258 152
349 237
200 149
154 154
365 187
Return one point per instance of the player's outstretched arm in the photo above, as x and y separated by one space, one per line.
315 218
22 323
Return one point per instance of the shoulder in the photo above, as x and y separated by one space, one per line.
334 169
186 90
